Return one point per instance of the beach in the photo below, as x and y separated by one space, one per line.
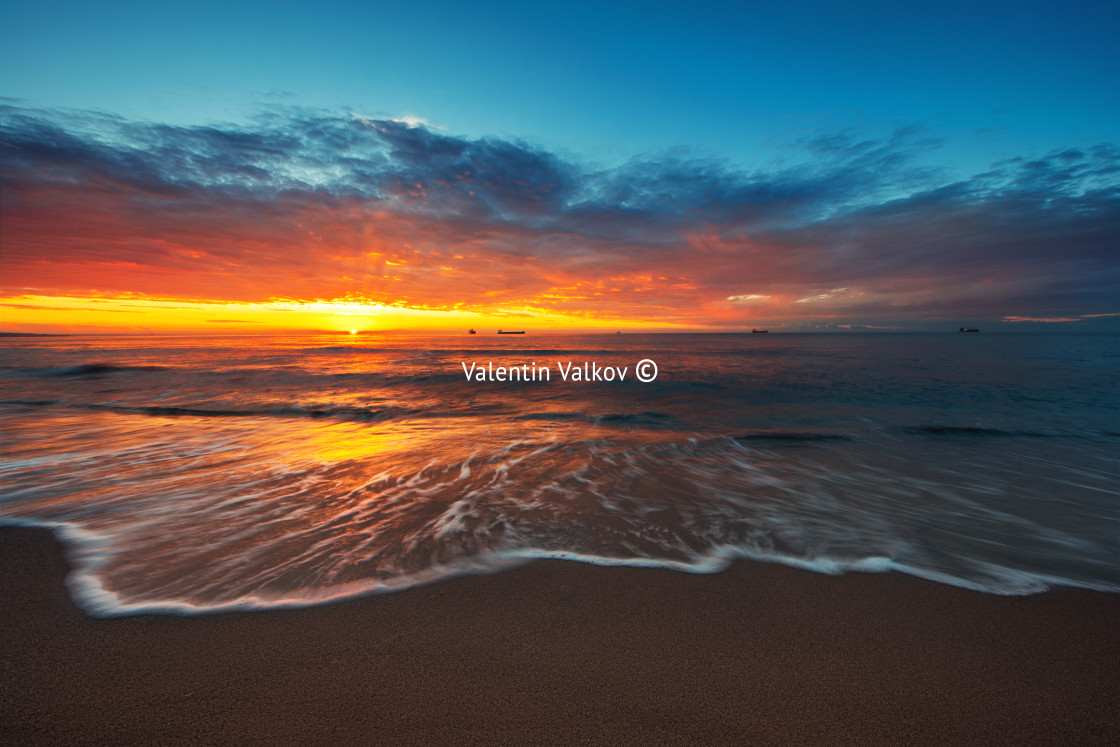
562 652
612 374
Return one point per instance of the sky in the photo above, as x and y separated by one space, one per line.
718 166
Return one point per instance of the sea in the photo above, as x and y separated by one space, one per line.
197 474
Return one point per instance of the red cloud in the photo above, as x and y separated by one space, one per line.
390 214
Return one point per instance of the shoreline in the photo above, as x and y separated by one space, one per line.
559 652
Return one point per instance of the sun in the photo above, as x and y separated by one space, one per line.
353 331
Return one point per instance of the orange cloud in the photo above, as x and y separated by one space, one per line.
315 210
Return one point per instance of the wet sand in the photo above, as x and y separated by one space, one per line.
559 652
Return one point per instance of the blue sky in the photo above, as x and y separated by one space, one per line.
601 81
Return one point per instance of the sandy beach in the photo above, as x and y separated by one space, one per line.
559 652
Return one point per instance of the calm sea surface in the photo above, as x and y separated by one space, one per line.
201 473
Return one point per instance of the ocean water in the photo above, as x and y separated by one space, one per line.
191 474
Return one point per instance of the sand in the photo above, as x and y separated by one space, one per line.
559 652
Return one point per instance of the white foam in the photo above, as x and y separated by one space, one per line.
246 526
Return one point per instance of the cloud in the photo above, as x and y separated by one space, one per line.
1049 319
310 205
826 295
1054 319
412 121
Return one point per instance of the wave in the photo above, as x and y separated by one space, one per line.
783 437
976 432
89 370
246 532
557 416
648 419
359 414
365 414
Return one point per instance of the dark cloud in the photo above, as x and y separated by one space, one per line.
307 204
